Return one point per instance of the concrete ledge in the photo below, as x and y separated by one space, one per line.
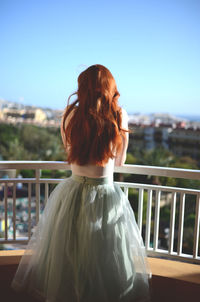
159 267
10 257
172 281
175 270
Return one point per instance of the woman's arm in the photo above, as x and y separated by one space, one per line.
121 157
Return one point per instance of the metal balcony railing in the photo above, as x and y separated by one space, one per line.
19 214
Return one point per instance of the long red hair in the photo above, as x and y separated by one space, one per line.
92 125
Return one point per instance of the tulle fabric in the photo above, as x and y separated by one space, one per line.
86 247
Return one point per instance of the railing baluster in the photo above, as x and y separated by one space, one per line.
6 210
148 220
29 210
181 221
172 223
14 211
196 228
46 195
37 176
156 220
140 209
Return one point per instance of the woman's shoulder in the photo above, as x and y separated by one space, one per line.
124 113
125 118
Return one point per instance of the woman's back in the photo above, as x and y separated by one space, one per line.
94 171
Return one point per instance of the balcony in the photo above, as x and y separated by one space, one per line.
173 261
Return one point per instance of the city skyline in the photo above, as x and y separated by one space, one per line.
6 106
151 48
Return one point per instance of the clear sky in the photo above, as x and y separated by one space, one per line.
151 47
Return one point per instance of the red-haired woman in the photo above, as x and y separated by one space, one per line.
87 247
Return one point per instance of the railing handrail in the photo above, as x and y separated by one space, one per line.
129 169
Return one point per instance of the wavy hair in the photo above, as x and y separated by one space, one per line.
91 126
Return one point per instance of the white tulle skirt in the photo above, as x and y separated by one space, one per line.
86 247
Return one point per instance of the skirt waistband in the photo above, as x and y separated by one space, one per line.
92 181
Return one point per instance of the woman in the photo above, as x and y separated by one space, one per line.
87 247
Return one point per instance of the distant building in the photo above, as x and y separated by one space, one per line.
174 137
15 113
35 115
185 142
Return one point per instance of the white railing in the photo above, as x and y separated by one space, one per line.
156 196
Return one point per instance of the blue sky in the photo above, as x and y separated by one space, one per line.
151 47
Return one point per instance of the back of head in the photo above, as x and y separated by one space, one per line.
91 125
